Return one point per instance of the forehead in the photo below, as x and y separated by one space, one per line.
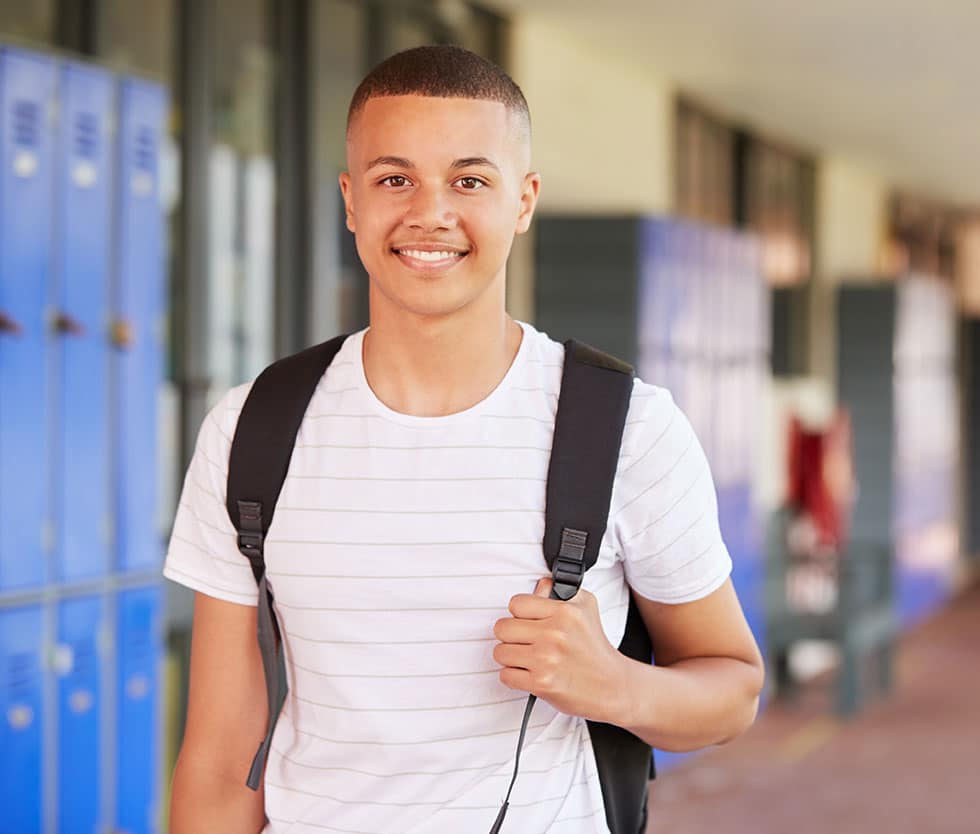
412 125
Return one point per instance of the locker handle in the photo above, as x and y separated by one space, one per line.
63 323
122 334
8 325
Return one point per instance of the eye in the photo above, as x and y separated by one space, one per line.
394 181
470 183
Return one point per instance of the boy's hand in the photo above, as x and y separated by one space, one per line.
558 651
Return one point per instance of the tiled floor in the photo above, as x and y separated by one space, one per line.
907 765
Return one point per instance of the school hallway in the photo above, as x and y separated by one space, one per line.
906 765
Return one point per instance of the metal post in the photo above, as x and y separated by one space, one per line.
294 164
190 281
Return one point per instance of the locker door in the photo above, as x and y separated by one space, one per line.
138 630
82 245
139 306
653 332
79 661
27 88
20 720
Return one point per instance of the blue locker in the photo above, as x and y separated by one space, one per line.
80 625
27 89
653 325
139 636
686 324
138 310
21 706
82 245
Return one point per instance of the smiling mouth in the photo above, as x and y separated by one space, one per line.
430 256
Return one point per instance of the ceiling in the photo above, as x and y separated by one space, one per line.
888 84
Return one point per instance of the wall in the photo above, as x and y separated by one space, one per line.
603 135
851 217
602 129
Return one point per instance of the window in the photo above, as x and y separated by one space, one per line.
705 165
242 195
778 206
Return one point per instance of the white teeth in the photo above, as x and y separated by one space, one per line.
418 254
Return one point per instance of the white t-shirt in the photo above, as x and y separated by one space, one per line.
397 543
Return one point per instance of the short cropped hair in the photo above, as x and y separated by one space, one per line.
441 72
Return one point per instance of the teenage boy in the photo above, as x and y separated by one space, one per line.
405 554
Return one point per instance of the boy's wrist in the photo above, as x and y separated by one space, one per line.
619 702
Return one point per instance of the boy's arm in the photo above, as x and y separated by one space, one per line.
226 719
704 690
705 687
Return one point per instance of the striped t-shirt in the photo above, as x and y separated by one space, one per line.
397 543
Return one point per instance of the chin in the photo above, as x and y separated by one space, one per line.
435 305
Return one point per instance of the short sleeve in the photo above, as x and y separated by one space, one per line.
665 510
203 552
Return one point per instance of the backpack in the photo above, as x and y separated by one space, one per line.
594 398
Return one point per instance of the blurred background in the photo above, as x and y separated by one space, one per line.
770 208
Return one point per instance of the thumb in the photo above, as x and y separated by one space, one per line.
543 588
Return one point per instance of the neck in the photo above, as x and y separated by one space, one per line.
431 366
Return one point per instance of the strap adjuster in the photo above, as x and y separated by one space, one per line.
250 543
569 565
251 539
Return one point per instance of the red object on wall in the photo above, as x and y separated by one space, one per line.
821 478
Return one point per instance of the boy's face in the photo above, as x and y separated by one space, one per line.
436 188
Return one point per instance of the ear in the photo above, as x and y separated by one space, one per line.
346 189
529 199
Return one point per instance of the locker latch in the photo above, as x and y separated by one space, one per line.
8 325
63 323
122 334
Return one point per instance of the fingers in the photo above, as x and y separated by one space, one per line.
509 630
528 668
539 606
513 655
534 606
516 679
531 607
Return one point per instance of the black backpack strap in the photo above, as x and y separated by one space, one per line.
592 406
595 396
257 466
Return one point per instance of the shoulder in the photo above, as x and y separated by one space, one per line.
223 416
660 456
665 511
218 428
653 416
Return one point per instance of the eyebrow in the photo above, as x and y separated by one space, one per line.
395 161
402 162
474 161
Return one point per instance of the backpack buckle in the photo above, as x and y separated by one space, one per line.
569 566
250 536
250 543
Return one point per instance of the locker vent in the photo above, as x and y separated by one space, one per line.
144 149
86 135
21 671
144 157
26 121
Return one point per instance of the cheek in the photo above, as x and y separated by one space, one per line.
494 224
369 205
373 227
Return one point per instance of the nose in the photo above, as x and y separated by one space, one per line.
430 210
